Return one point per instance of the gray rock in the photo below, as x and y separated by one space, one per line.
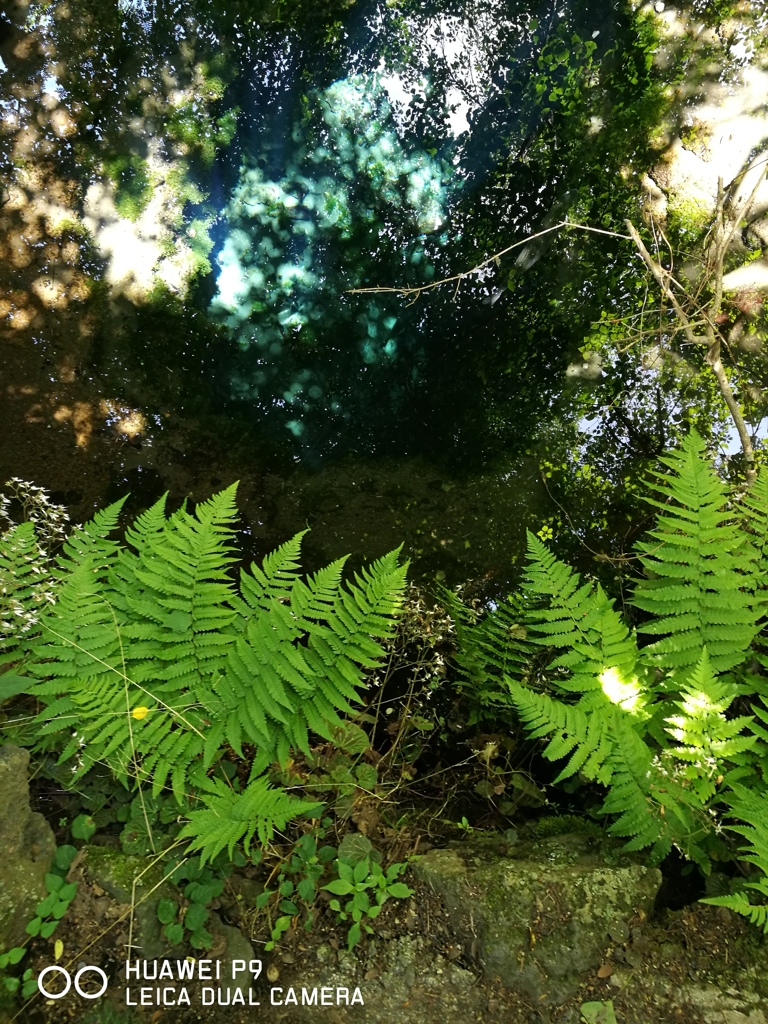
542 914
27 846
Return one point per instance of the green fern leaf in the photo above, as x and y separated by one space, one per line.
701 569
230 818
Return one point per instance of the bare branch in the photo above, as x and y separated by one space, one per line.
415 292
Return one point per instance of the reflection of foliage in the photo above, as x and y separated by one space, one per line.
349 180
133 184
200 134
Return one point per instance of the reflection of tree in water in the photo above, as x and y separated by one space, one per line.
424 138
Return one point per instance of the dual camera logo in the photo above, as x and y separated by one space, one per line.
55 969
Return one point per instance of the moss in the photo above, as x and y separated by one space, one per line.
133 184
687 221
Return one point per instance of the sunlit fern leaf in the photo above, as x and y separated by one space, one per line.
151 663
586 738
706 739
299 660
577 619
230 818
701 569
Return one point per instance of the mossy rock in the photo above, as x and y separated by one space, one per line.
543 913
127 879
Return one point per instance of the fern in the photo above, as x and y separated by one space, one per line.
656 725
706 739
752 809
580 621
755 509
587 738
230 818
25 587
489 645
701 568
152 662
298 661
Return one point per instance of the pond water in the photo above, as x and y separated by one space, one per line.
198 199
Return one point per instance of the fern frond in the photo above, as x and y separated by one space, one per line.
586 737
706 738
750 807
739 903
701 569
580 620
89 545
230 818
260 586
755 508
26 585
489 646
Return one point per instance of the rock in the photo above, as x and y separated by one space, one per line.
237 948
127 879
27 846
542 913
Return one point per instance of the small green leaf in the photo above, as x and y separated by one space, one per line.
167 911
33 928
339 886
361 902
361 871
16 954
354 936
201 939
306 889
598 1012
59 911
68 891
83 827
174 933
47 928
64 856
344 870
195 917
29 988
53 883
399 890
289 907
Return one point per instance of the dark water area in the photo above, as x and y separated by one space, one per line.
195 194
